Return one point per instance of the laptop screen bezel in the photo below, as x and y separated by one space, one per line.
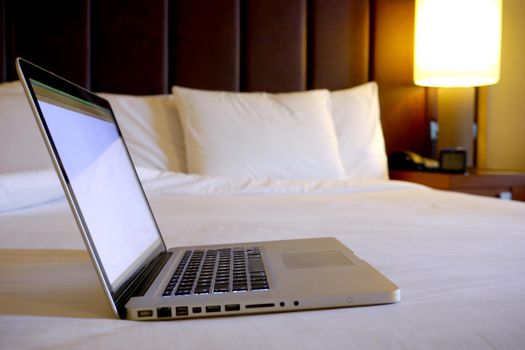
28 71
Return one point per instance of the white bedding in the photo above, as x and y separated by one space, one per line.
459 260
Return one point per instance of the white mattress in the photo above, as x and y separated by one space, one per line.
459 260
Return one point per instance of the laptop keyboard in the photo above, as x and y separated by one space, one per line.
214 271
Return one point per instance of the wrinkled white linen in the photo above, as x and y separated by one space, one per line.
26 189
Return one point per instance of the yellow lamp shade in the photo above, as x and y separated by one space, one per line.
457 43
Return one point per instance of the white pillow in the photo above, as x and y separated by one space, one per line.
21 145
359 133
151 129
259 135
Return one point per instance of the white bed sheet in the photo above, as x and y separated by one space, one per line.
459 260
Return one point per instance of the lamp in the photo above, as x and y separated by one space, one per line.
457 44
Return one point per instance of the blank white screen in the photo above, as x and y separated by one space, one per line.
105 187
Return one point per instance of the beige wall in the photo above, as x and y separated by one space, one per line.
502 119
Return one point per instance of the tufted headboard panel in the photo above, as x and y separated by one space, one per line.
146 46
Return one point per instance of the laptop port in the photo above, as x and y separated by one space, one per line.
196 309
232 307
145 313
164 312
256 306
213 308
181 311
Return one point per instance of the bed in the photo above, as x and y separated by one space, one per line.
459 259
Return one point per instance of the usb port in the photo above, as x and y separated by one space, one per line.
232 307
145 313
213 308
181 311
196 309
164 312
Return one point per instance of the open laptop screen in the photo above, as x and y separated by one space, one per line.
102 180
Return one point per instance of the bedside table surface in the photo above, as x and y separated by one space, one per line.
476 181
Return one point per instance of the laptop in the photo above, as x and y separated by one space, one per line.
142 279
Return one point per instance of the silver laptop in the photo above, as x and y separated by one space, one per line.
143 280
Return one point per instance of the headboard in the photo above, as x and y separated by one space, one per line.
146 46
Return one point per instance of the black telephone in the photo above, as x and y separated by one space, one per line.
408 160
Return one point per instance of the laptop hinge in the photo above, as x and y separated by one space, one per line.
138 284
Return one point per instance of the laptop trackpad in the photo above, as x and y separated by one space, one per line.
306 260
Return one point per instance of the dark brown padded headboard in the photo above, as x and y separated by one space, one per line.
146 46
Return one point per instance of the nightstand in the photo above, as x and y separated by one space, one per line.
503 184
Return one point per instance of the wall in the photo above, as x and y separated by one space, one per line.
502 113
403 105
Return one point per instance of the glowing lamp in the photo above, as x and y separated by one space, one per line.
457 43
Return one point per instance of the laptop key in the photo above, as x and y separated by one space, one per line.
260 286
183 292
202 290
255 265
239 287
